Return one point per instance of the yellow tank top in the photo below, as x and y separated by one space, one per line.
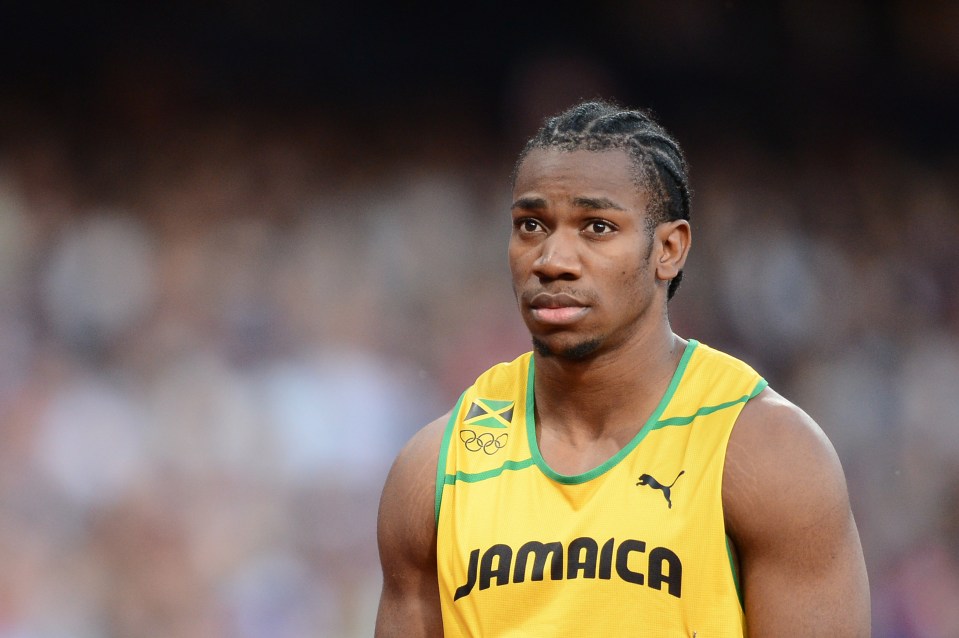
635 547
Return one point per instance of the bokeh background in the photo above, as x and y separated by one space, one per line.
247 248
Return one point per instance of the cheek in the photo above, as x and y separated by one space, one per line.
514 266
519 260
632 280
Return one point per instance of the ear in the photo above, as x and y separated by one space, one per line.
672 243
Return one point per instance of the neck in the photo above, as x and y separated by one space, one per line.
611 394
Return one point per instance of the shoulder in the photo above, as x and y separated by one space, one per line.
788 514
406 533
407 503
779 463
406 515
774 426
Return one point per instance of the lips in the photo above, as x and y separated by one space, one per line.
557 309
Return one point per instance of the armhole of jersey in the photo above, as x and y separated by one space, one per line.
444 452
761 385
734 568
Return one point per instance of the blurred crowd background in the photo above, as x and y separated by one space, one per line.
247 249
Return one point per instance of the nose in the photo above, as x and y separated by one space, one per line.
558 258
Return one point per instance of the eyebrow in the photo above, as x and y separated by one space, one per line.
529 203
591 203
596 203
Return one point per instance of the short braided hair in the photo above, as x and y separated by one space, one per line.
659 164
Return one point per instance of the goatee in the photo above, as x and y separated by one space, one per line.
580 352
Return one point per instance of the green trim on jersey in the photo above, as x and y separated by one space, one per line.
495 492
650 425
653 423
464 477
444 451
734 568
709 409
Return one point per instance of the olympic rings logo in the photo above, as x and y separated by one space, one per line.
485 441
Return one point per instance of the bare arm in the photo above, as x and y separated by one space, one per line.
787 511
406 532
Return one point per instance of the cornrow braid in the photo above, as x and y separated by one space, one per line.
658 162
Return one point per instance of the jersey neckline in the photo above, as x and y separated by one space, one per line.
599 470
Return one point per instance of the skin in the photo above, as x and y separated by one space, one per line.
590 279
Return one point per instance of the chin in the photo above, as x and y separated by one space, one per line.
575 352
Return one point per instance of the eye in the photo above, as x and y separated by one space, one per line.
600 227
528 225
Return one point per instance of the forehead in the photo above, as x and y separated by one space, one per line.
609 171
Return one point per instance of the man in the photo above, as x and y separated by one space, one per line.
619 480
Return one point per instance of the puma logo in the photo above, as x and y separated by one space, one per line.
646 479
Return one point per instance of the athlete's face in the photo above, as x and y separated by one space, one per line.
588 273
